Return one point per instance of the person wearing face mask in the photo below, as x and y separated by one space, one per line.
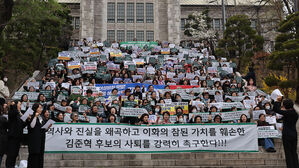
180 119
268 109
4 91
157 110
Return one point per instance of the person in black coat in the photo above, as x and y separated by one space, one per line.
3 134
289 132
36 140
15 133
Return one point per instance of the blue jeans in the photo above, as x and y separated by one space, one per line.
268 143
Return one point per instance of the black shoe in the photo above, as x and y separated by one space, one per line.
271 150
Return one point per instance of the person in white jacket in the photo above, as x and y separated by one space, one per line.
4 91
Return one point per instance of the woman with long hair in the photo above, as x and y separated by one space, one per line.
37 136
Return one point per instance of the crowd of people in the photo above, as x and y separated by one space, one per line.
170 84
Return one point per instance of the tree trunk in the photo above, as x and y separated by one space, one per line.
5 13
40 57
297 87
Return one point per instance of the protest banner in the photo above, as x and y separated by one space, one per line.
122 138
74 64
138 61
132 112
267 132
235 98
140 44
165 51
171 108
226 116
90 66
182 87
46 93
107 88
115 54
81 118
141 71
232 104
74 76
64 56
32 96
94 51
113 67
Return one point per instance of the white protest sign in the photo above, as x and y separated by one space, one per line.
152 118
235 98
248 103
48 123
275 94
227 69
26 114
73 64
193 82
90 66
212 70
76 89
74 76
132 112
65 85
271 119
257 113
94 90
230 137
59 107
33 84
32 96
267 132
198 104
51 84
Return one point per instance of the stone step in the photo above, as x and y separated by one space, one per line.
185 156
176 160
265 166
168 163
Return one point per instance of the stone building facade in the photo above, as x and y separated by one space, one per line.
125 20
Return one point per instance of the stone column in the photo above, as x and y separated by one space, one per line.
161 28
100 19
174 19
87 18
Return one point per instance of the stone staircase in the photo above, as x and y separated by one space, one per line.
259 159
